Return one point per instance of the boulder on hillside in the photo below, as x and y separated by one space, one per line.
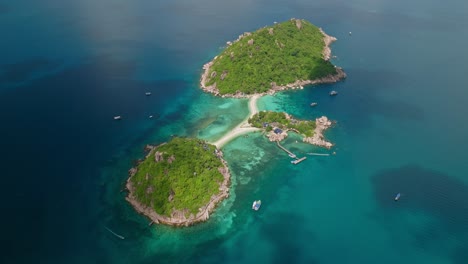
158 156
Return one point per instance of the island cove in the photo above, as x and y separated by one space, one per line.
180 183
284 56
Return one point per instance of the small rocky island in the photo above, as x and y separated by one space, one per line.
179 183
283 56
277 124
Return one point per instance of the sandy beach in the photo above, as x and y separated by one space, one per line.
243 127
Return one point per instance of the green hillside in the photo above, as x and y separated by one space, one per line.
270 119
185 176
282 53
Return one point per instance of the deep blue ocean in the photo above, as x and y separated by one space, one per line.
68 67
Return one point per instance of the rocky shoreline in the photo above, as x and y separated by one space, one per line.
298 84
322 123
178 217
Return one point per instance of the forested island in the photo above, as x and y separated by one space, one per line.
277 124
286 55
179 182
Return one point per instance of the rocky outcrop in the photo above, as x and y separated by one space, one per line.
250 42
321 124
170 159
171 195
158 156
270 31
223 75
181 217
204 79
298 24
328 41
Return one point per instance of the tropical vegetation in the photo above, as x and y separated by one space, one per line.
180 175
269 120
279 54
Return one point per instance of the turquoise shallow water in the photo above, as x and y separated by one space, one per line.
401 126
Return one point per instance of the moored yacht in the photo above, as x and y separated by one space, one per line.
256 205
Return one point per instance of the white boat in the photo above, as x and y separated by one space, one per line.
117 117
256 205
150 116
147 93
332 93
397 197
313 104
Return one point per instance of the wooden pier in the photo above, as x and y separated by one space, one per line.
298 160
292 155
318 154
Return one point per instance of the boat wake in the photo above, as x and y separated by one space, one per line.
115 234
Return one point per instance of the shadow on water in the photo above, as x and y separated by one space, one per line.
210 252
460 255
19 72
428 191
286 238
69 111
368 84
361 98
327 15
3 9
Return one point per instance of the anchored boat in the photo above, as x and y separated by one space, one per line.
332 93
313 104
256 205
397 197
117 117
147 93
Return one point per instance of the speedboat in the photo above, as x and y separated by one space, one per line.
314 104
117 117
332 93
397 197
256 205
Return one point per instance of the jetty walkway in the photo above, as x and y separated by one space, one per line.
292 155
